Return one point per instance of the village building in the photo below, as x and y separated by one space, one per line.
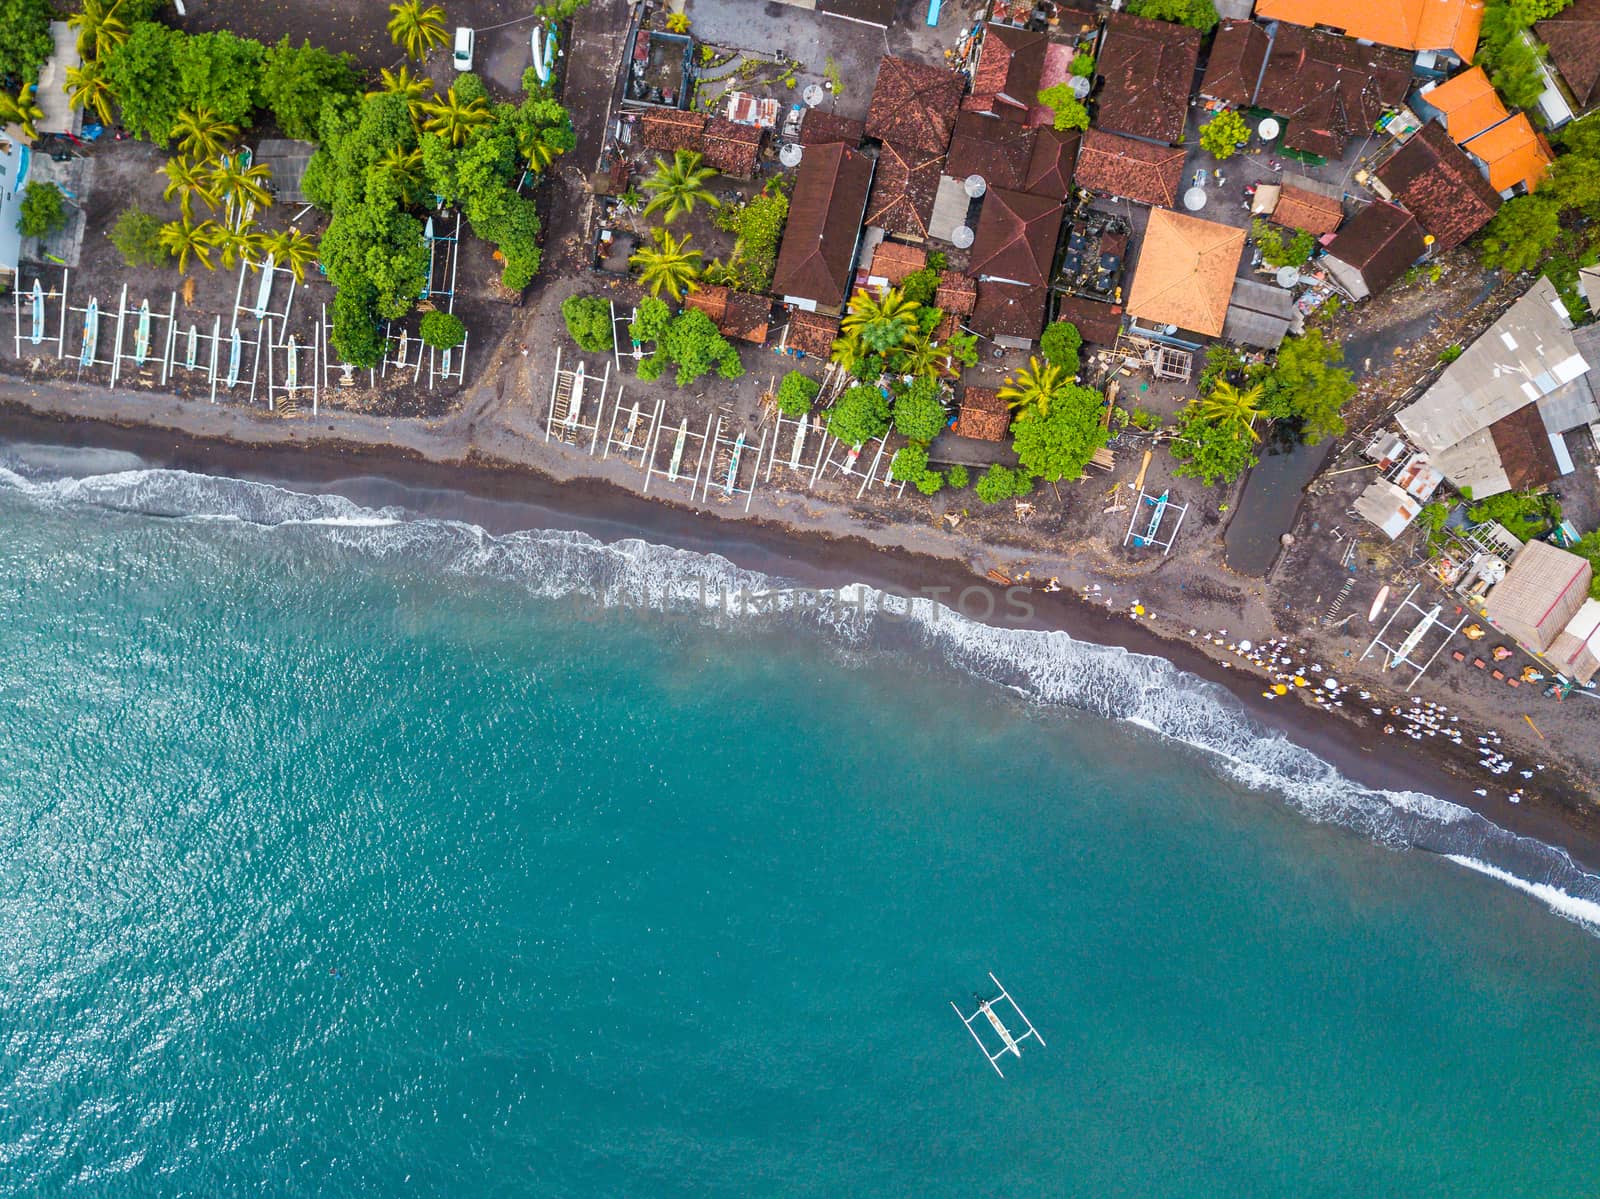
728 147
1575 652
1147 68
1374 249
1260 315
1238 56
1186 273
1011 314
1329 90
1051 165
914 105
811 333
903 190
818 127
735 314
1010 66
1444 26
1572 37
892 261
1544 590
983 414
1494 420
1298 207
1097 322
1438 184
995 150
1016 241
1128 169
1510 153
817 256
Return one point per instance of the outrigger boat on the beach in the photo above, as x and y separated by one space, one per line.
1160 505
630 428
405 345
36 334
850 460
1414 638
677 451
799 441
141 334
1377 605
291 379
733 466
575 404
235 350
91 334
192 354
444 364
1009 1042
264 292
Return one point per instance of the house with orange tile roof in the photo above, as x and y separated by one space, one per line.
1468 103
1447 25
1513 154
1186 271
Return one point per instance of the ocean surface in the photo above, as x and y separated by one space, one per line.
348 854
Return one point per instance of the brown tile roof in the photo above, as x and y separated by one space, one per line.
671 129
746 317
1523 443
817 128
895 260
903 190
1050 168
1009 310
1121 166
1573 37
825 210
1097 321
711 299
1186 271
984 415
915 105
1312 211
957 294
1148 67
1381 242
1438 184
732 148
812 333
1009 66
998 150
1237 55
1329 89
1016 237
1404 24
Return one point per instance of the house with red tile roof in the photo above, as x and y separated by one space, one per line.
1438 184
1147 68
915 105
1329 89
1375 247
1134 170
1010 64
1573 38
903 190
997 151
817 256
1016 238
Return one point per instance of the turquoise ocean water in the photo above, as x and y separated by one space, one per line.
345 854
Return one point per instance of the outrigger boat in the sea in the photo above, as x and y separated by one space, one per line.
235 350
36 334
733 466
141 335
91 334
1009 1042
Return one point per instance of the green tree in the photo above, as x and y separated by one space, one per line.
797 393
43 210
650 320
442 330
692 343
1236 410
676 187
1275 251
455 116
1210 452
1032 390
882 323
241 242
1197 14
1222 136
1507 55
1001 483
295 80
921 286
159 71
183 238
1059 345
910 465
1068 111
416 28
588 321
1059 443
22 110
202 135
403 83
918 414
239 182
220 71
137 236
25 42
1522 233
294 249
101 26
1307 385
757 227
87 89
357 337
188 181
956 476
859 415
667 264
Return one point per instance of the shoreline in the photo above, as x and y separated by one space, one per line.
502 497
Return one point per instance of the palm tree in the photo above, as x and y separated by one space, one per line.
849 351
1230 407
183 238
404 83
921 356
202 134
246 243
668 266
99 26
416 29
293 248
239 184
189 181
882 323
454 118
679 185
1032 390
535 150
87 89
21 110
404 169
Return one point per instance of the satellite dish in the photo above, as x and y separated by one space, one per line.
1194 199
813 95
975 186
1269 128
962 237
790 154
1080 86
1288 276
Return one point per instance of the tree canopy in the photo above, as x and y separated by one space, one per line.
1222 136
692 343
859 415
589 322
1307 385
918 414
1001 483
1211 451
24 40
1058 443
1197 14
1060 344
1067 110
797 393
295 80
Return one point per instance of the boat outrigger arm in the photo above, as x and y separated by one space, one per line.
1010 1042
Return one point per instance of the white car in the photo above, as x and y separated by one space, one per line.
464 43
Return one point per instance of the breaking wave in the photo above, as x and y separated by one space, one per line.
1049 668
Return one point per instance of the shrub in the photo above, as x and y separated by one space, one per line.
757 228
859 415
356 338
650 320
589 322
1001 483
1449 354
1275 251
1197 14
44 210
1222 136
137 236
692 344
1069 110
921 285
938 260
797 393
956 476
1083 64
443 330
1059 345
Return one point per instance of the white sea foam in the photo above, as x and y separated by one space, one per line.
1049 668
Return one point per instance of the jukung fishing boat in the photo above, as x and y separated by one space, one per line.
264 292
235 351
677 451
193 352
36 334
444 364
733 466
91 334
405 344
291 378
799 441
141 334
